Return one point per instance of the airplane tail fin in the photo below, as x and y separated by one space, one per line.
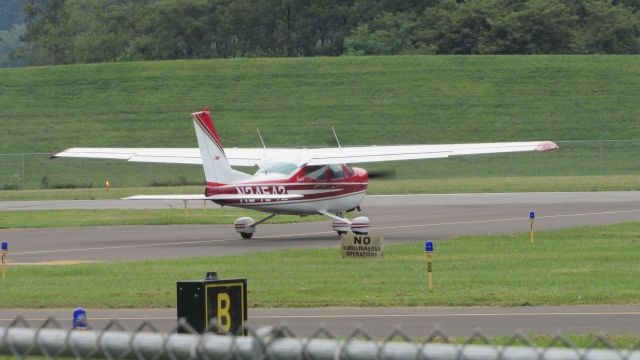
217 170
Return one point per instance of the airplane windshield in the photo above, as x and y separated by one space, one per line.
278 168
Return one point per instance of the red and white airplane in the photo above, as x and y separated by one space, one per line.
288 181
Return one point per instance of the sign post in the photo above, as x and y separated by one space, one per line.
5 251
532 219
428 249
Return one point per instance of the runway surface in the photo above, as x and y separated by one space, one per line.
380 322
399 218
411 218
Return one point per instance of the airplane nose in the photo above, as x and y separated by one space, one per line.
362 174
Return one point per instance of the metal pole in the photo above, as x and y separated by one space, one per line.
601 159
22 180
114 344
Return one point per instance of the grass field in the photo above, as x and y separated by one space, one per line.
65 218
590 265
369 100
376 187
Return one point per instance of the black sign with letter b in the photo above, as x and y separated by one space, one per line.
213 305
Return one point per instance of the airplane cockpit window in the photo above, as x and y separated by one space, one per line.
336 171
278 168
317 172
350 171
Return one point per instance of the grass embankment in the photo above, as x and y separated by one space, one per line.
376 187
66 218
589 265
369 100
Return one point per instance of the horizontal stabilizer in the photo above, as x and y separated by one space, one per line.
217 197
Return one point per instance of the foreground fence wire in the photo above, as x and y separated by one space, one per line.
52 341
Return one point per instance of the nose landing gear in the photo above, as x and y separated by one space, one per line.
246 226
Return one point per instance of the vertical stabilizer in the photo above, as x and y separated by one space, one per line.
217 170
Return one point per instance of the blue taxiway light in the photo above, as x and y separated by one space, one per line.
79 319
428 246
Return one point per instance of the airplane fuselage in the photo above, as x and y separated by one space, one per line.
329 191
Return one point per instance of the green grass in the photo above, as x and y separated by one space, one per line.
589 265
585 341
66 218
376 187
96 193
369 100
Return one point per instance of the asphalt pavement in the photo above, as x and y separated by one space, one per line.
418 322
408 218
403 218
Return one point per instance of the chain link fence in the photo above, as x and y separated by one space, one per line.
574 158
51 340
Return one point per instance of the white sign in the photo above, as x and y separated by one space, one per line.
362 246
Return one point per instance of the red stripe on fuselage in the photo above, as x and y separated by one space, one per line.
308 192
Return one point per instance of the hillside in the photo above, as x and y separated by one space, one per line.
294 102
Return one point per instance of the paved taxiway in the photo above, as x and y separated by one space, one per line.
398 218
415 322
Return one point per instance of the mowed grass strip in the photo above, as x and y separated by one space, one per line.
69 218
376 187
584 341
588 265
294 102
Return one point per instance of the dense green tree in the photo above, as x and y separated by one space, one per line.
10 14
49 31
397 33
66 31
611 29
9 41
537 27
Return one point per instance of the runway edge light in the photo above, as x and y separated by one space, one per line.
428 249
79 320
428 246
532 219
5 251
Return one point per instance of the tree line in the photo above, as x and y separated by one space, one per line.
82 31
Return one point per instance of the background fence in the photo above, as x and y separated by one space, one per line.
52 341
574 158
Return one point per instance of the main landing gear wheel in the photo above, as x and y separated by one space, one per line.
340 233
246 235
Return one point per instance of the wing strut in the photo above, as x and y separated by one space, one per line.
336 136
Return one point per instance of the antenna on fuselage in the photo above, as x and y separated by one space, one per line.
336 136
262 141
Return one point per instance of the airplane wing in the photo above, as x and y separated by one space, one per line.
216 197
317 156
367 154
236 156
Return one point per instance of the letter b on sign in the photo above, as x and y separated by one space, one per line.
227 306
224 318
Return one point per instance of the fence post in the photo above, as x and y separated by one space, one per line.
601 158
22 179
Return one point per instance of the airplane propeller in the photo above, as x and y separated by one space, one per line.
382 174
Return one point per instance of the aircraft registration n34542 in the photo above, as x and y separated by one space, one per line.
289 181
